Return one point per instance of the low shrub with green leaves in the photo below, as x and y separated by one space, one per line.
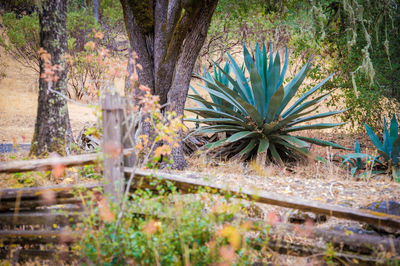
254 110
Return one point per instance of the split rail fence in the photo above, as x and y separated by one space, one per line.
32 217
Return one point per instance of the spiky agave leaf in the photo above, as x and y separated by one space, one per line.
253 110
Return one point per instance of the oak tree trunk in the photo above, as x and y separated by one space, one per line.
52 129
167 37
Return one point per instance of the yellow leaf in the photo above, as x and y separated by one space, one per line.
232 234
348 232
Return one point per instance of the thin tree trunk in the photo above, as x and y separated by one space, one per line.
52 120
96 8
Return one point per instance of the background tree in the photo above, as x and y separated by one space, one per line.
52 121
96 10
167 37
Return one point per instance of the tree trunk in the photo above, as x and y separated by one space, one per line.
167 37
96 8
52 121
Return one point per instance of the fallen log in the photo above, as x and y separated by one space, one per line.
189 185
349 242
300 250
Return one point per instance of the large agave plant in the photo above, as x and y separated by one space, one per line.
253 110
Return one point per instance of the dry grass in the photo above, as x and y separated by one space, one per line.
18 104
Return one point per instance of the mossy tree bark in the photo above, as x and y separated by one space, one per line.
167 37
52 128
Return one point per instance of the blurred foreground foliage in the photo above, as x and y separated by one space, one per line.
163 227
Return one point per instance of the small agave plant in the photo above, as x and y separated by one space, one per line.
254 110
389 150
360 161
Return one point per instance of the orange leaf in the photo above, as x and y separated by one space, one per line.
151 227
98 35
57 169
105 213
90 45
228 254
273 218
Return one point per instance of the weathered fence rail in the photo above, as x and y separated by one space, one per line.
37 216
47 164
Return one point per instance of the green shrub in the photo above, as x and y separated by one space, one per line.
21 38
169 229
79 28
253 111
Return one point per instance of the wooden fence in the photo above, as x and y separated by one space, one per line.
35 216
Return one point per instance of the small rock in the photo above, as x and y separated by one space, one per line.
388 206
300 217
354 229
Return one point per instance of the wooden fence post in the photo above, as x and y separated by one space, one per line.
112 145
